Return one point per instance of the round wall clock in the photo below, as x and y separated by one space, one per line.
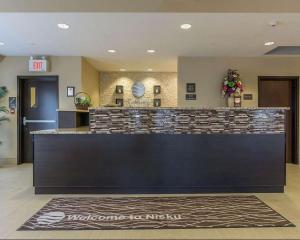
138 89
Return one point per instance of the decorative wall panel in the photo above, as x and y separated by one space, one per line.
187 121
167 82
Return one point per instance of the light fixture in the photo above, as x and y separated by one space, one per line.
149 69
111 51
63 26
122 69
273 23
2 43
269 43
185 26
150 51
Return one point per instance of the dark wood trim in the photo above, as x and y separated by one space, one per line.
20 80
19 120
295 105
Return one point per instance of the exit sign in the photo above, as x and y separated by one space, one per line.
38 65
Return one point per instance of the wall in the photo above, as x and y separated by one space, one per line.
208 75
67 68
90 81
167 81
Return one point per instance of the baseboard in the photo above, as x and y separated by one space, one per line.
8 161
157 190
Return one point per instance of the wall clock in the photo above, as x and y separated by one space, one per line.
138 89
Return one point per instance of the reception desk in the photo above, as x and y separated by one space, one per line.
164 150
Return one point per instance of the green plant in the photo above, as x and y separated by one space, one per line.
82 101
3 109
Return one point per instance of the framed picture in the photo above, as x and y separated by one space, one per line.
119 89
190 97
248 96
191 87
70 91
12 103
157 89
156 102
120 102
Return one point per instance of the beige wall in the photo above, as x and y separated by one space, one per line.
167 81
67 68
208 75
90 81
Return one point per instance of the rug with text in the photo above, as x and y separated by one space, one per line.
125 213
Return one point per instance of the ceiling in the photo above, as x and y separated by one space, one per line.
131 34
204 6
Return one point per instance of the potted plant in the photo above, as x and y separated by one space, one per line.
82 101
232 86
3 109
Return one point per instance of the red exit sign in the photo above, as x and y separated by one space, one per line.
38 65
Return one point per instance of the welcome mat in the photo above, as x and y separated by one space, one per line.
91 213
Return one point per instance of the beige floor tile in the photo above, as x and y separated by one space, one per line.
18 203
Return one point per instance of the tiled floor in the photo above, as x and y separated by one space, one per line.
18 203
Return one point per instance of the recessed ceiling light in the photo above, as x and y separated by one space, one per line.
269 43
2 43
150 51
149 69
122 69
273 23
63 26
111 51
185 26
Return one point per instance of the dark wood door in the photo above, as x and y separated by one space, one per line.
281 92
39 101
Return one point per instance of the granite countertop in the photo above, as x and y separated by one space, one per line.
192 108
71 110
80 130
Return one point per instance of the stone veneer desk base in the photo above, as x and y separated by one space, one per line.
158 163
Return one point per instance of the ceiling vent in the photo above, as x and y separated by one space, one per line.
285 50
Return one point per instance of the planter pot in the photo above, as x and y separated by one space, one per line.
82 107
230 101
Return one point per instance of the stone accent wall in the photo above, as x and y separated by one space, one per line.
187 121
167 81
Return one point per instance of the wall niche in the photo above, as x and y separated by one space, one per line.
166 81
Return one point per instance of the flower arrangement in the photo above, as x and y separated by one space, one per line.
232 84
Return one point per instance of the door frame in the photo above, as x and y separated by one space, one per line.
20 82
295 113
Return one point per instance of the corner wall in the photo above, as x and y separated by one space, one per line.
90 81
